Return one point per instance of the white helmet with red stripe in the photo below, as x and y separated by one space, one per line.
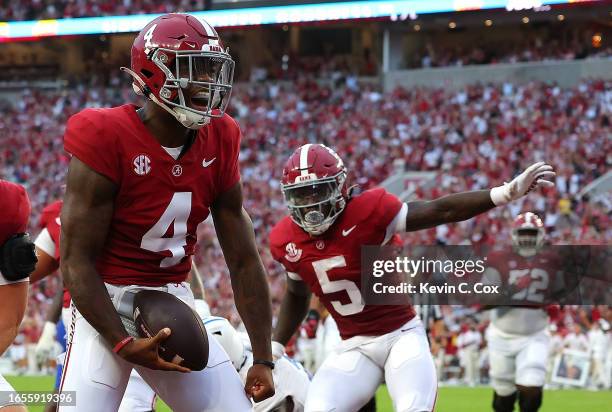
528 234
313 184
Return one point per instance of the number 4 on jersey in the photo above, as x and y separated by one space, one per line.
176 214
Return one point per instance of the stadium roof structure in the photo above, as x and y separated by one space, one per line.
254 16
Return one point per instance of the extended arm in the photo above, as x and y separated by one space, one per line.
235 232
293 310
55 309
447 209
196 283
252 297
45 343
465 205
45 266
86 216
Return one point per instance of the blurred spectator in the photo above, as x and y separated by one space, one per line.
576 340
56 9
474 137
468 342
599 343
554 44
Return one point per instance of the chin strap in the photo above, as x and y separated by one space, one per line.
141 89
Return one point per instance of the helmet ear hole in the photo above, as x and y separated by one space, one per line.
146 73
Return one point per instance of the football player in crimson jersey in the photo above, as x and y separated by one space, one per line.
47 251
17 261
140 181
518 336
58 313
319 245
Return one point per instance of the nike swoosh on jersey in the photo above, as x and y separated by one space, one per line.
206 164
348 231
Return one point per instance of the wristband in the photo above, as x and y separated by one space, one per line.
121 344
267 363
500 195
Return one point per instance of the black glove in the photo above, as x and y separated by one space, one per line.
17 257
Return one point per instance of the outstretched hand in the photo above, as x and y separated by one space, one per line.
532 178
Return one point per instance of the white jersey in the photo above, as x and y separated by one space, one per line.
290 377
519 321
599 343
290 380
469 340
516 360
576 341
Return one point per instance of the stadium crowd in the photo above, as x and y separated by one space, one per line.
460 348
475 137
56 9
534 48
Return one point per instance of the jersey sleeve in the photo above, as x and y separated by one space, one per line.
398 224
388 215
17 210
86 139
278 254
43 222
46 216
45 243
274 243
230 172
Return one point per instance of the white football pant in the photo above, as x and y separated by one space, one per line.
99 377
138 397
516 360
7 394
348 378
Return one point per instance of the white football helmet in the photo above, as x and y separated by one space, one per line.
229 339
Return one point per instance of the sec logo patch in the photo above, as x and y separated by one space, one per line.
142 164
293 253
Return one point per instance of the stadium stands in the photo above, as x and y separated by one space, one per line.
55 9
477 136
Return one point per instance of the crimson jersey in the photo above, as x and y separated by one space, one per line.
50 220
529 283
15 210
531 280
160 200
330 264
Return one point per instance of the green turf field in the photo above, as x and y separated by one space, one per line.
449 399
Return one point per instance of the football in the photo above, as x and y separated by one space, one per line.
188 343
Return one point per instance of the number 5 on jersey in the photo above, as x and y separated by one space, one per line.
176 214
321 267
